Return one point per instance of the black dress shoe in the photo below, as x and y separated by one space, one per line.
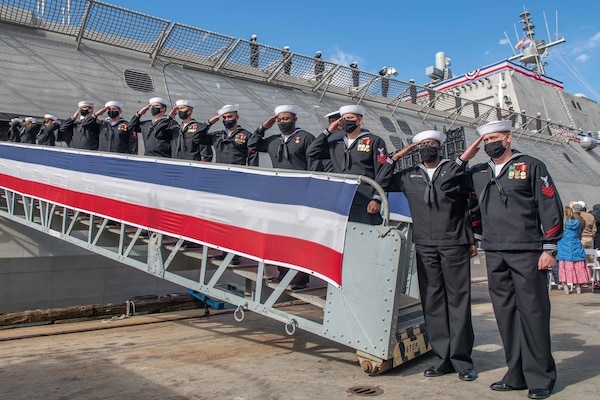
433 372
467 375
538 393
503 387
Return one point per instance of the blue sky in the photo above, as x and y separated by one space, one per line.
404 34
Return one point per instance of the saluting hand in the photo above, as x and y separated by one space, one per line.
144 109
214 120
404 152
76 114
101 111
335 125
472 150
269 122
173 112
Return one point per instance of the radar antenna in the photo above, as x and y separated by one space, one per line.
533 52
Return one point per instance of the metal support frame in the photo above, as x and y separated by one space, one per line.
363 315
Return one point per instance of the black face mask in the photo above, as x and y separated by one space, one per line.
113 113
286 127
428 153
155 110
349 125
83 113
495 149
229 123
183 114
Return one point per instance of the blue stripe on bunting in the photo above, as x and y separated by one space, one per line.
333 196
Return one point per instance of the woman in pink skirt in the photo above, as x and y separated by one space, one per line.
572 265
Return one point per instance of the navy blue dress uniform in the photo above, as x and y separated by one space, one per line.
234 144
288 149
364 154
31 130
187 145
48 133
438 193
82 133
157 133
522 221
15 130
116 133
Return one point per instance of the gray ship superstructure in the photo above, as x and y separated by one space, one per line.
56 53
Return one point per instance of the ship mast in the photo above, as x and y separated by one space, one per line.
533 51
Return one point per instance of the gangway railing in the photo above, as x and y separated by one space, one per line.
170 218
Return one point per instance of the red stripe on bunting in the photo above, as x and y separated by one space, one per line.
321 259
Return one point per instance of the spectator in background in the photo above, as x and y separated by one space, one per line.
589 230
596 213
571 255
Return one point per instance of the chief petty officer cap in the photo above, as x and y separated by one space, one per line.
30 119
85 104
287 108
159 100
352 109
183 102
494 126
113 103
50 116
228 108
333 114
435 135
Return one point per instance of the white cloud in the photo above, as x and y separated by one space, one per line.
503 41
582 58
487 53
590 43
343 58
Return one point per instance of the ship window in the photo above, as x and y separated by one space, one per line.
397 142
139 81
567 157
573 102
404 127
578 106
387 124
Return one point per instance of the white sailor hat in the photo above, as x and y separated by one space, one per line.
581 203
29 119
113 103
183 102
435 135
352 109
335 114
228 108
85 104
50 116
159 100
287 108
17 119
494 126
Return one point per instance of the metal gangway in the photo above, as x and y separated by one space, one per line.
169 218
